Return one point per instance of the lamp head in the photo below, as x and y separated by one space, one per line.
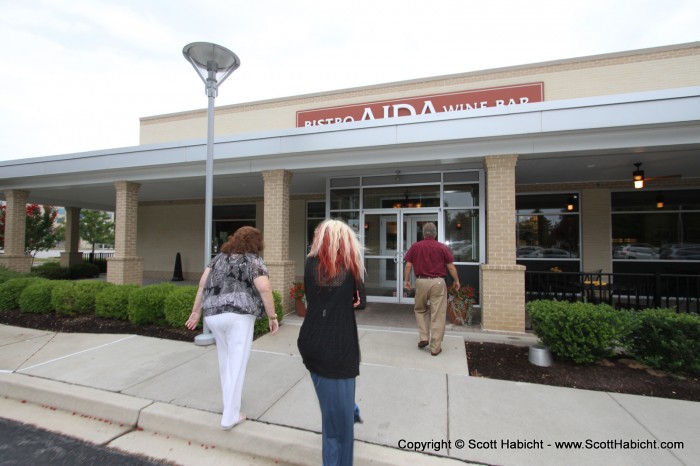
638 176
213 63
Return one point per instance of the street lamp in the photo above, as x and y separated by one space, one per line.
213 63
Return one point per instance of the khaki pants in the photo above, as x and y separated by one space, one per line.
431 318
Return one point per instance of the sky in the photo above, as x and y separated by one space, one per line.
76 75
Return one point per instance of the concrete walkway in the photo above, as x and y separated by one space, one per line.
162 398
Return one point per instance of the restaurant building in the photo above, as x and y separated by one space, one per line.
526 167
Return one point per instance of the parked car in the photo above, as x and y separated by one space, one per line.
635 252
681 251
555 252
529 251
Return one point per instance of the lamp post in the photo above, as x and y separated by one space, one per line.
213 63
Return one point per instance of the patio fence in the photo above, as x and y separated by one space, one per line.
620 290
98 258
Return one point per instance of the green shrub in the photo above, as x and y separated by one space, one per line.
113 302
6 274
73 298
178 305
83 270
52 271
666 340
262 326
36 297
11 290
146 305
581 332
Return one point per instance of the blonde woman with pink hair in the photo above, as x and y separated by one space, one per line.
328 340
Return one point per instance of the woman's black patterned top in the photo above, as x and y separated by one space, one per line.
230 287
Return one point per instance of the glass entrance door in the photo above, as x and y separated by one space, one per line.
388 234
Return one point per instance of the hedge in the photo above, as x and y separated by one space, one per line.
581 332
178 305
146 305
262 326
11 290
74 298
36 297
666 340
113 302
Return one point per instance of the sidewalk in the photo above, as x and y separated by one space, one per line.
162 398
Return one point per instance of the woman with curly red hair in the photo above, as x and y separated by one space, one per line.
234 291
328 340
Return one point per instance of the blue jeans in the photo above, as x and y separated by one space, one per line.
336 398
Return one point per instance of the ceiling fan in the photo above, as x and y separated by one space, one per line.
639 179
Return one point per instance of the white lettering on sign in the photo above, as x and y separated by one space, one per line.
426 105
396 110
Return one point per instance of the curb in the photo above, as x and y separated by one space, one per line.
118 408
283 445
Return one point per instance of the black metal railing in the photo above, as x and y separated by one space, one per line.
620 290
98 258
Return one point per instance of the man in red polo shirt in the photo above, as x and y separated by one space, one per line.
431 262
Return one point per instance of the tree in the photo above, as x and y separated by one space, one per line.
96 227
40 234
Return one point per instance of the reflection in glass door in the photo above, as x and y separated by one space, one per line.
387 236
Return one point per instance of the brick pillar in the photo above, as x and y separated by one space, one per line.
125 266
72 254
14 257
502 280
276 234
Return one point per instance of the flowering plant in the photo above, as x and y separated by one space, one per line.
462 303
297 291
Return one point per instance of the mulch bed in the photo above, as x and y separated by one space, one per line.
618 374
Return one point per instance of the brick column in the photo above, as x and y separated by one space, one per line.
14 257
125 266
72 254
502 280
276 234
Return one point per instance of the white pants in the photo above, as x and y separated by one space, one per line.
234 337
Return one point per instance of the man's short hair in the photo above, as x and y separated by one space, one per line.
429 229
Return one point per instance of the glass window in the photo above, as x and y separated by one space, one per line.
229 218
234 212
547 226
342 199
655 201
401 178
315 214
527 204
345 182
351 218
462 234
450 177
401 197
656 225
461 195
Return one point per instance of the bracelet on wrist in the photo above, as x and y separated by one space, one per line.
272 317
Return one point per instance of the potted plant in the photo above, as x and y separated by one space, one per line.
297 292
460 305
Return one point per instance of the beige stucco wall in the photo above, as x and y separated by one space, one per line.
634 71
164 229
596 230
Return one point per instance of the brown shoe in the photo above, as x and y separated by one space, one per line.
422 344
435 353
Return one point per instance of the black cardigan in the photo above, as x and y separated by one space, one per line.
328 340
